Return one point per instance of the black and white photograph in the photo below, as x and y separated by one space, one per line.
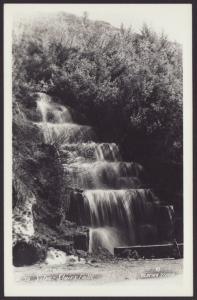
98 163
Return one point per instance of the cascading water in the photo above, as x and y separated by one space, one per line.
57 123
52 112
106 192
103 174
106 237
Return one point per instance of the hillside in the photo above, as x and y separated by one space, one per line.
127 85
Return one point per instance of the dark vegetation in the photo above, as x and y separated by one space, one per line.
127 84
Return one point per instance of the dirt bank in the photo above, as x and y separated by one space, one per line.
98 272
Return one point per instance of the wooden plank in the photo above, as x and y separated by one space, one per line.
169 250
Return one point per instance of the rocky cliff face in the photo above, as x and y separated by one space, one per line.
39 200
39 221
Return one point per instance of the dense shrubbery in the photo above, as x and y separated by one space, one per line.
129 85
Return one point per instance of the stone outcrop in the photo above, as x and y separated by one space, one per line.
39 221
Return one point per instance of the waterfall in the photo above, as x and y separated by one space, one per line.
91 151
106 237
57 124
106 192
52 112
103 174
65 132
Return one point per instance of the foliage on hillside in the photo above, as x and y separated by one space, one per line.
128 84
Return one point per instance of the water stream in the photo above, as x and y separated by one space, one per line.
111 200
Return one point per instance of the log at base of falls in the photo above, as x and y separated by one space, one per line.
169 250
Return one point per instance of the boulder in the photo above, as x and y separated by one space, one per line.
28 253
